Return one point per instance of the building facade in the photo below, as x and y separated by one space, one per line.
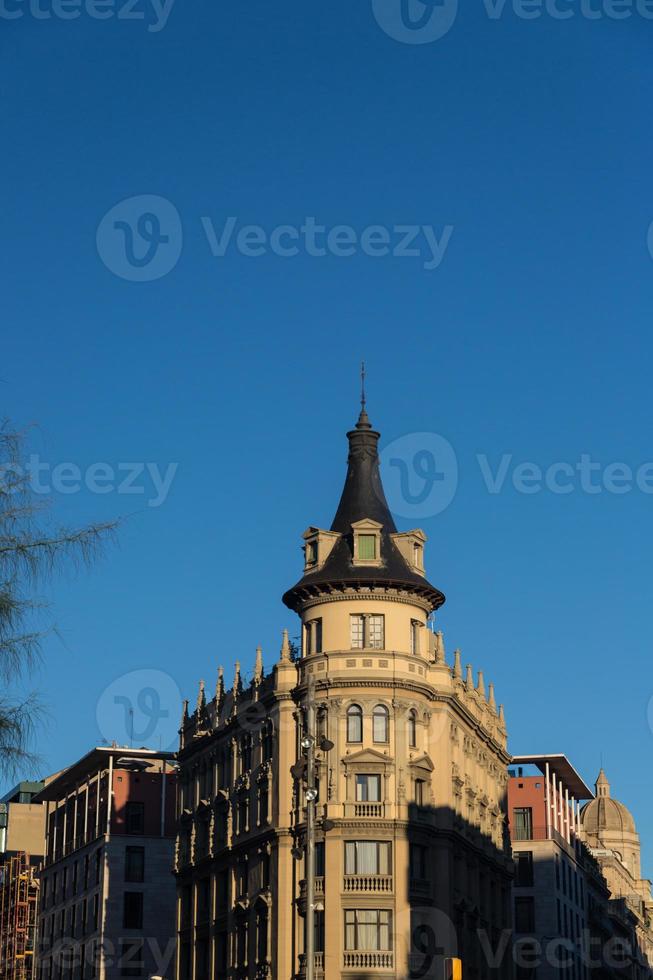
608 828
412 857
569 922
107 898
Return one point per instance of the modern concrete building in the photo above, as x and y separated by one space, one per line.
412 856
107 892
571 920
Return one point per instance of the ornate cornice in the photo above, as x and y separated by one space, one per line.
363 594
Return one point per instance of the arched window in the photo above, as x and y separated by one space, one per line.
355 723
381 723
412 728
267 740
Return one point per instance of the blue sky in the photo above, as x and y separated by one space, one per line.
531 338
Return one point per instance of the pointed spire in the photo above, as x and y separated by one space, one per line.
184 712
502 717
457 665
258 666
219 685
491 699
363 420
480 687
284 656
469 679
440 656
201 698
237 679
363 495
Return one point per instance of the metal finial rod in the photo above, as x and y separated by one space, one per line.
362 384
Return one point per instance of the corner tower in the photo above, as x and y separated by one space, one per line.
364 586
412 764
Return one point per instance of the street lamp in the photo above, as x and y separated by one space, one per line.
304 770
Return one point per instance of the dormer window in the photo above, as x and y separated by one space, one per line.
367 542
411 547
318 545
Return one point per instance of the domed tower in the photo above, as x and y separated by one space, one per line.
608 825
412 784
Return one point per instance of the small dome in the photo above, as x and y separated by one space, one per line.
604 815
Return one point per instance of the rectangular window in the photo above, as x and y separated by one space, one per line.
367 857
414 637
524 870
98 866
135 818
133 910
134 863
319 859
524 915
367 547
523 823
314 636
375 638
420 792
311 552
357 632
417 861
131 958
368 788
367 929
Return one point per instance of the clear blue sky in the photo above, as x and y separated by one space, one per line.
532 139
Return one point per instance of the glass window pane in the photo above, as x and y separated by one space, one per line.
380 726
375 626
357 632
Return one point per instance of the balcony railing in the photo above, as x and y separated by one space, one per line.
368 960
318 960
367 883
364 809
319 887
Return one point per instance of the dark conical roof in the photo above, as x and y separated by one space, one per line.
362 494
363 498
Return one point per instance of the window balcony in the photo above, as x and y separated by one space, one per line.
368 960
319 887
367 883
365 810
